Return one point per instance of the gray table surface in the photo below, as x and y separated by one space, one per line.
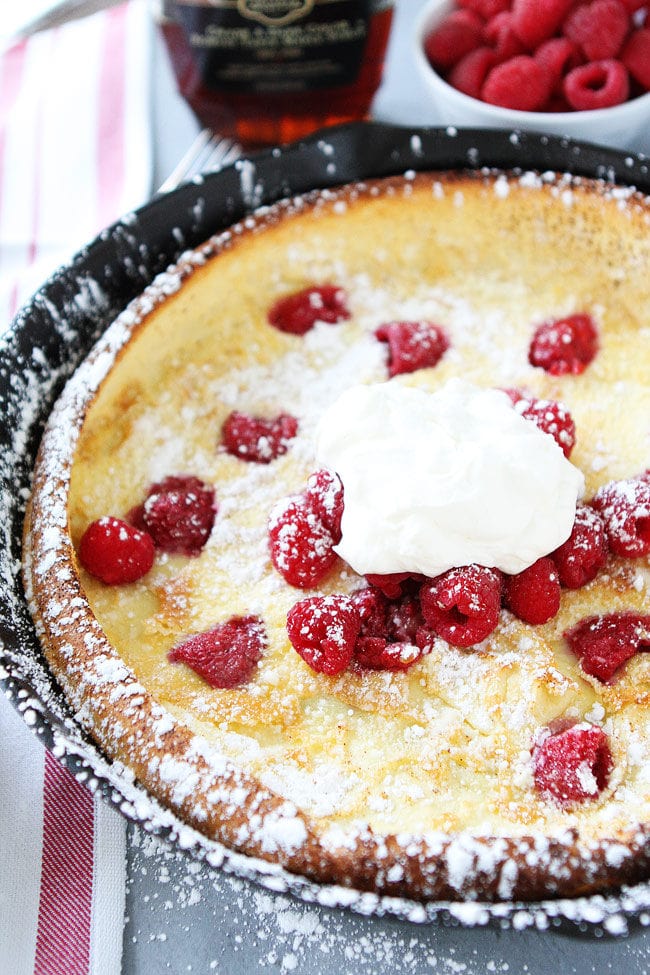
184 917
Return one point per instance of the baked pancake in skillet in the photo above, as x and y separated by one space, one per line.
339 538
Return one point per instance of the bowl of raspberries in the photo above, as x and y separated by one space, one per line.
573 67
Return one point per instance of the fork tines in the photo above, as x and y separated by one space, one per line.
208 153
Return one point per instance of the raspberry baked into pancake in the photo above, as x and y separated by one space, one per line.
339 538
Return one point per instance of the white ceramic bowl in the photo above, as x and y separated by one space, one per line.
625 126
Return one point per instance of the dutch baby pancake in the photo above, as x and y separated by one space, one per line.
339 538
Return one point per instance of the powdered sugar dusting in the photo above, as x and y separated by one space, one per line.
285 831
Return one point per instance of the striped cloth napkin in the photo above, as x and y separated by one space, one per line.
75 141
75 153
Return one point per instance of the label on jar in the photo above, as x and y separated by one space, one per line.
253 46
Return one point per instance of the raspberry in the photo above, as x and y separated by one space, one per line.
470 73
391 584
227 654
557 103
372 607
600 84
462 605
564 345
116 552
404 619
376 653
425 638
582 556
304 528
605 643
178 513
550 416
500 35
520 83
485 8
412 345
558 55
388 630
324 493
636 56
324 630
598 28
573 765
625 507
300 544
535 22
299 312
534 594
454 37
253 438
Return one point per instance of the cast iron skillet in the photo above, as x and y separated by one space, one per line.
53 333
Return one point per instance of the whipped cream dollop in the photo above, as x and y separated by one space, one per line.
434 480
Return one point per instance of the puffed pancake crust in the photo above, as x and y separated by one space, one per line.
418 782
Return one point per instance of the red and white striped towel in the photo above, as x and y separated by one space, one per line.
75 141
75 153
62 865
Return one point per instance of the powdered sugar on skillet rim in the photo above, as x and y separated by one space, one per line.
283 831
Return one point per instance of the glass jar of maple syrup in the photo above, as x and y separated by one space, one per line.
270 71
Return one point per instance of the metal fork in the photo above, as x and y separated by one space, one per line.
208 153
